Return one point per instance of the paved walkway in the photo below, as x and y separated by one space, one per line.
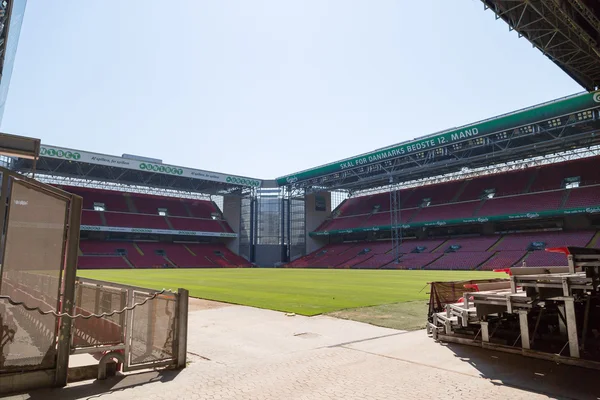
246 353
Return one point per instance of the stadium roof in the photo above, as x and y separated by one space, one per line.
132 170
564 124
554 127
567 32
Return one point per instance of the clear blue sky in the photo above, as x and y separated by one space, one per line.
265 87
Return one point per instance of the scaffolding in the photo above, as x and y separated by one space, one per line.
395 221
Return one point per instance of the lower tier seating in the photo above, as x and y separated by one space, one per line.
102 262
484 253
503 259
413 261
108 254
460 260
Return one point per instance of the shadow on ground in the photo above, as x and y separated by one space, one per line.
541 376
406 316
96 389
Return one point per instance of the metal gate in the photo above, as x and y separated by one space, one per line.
142 328
38 259
47 314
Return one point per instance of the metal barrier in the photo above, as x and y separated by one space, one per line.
148 328
140 328
38 264
47 314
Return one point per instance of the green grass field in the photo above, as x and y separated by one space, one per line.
301 291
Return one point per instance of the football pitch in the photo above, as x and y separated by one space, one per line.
301 291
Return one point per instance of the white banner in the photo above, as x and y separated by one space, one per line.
155 231
62 153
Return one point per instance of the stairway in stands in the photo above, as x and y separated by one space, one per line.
532 179
130 203
595 242
127 261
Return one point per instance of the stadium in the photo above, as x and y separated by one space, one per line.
492 194
454 205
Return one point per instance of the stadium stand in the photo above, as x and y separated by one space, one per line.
460 260
413 261
462 253
195 224
583 197
420 246
551 177
503 259
135 220
504 184
482 243
447 211
544 259
100 254
522 203
142 211
521 241
523 191
89 217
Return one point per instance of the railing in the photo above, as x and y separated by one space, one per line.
147 328
140 328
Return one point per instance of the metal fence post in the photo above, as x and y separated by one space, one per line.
182 326
68 298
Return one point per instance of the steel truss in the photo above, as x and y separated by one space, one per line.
65 172
547 137
566 32
492 169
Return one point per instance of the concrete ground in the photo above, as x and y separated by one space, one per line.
246 353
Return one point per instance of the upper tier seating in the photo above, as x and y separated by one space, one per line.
552 176
136 220
462 199
89 217
383 217
522 204
195 224
133 210
151 204
448 211
438 194
584 197
201 208
504 184
343 223
113 201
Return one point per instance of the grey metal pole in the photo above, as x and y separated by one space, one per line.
68 298
182 326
